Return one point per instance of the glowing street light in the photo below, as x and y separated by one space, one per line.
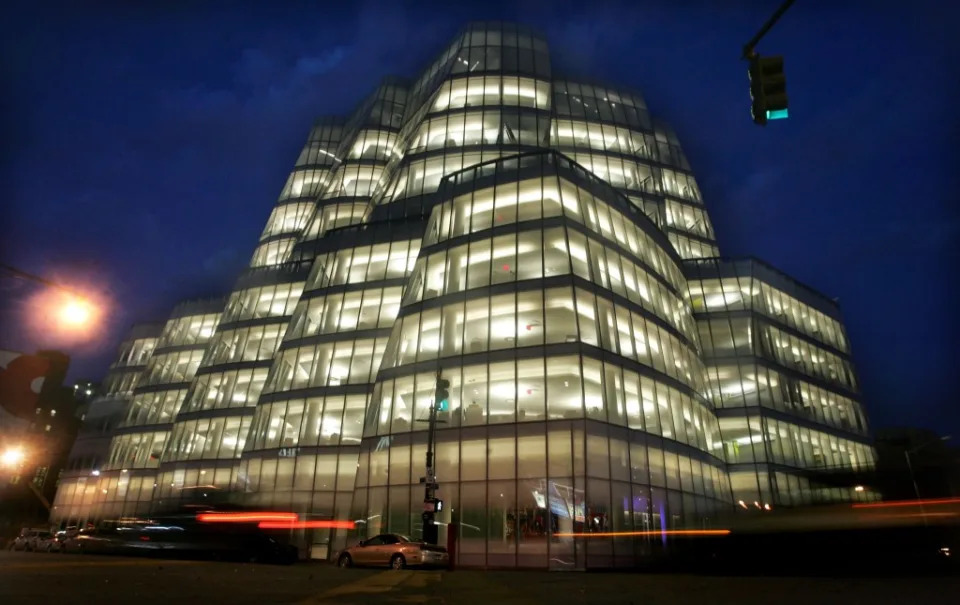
72 313
12 457
76 312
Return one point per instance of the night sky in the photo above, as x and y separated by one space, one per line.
144 147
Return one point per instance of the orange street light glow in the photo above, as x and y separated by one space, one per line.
665 532
12 456
328 524
76 313
67 316
246 517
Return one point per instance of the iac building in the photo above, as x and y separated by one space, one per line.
543 245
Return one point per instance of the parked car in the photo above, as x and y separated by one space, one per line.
103 539
47 543
394 551
29 538
63 535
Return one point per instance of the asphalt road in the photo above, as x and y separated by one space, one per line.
67 579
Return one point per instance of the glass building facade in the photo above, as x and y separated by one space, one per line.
782 383
543 245
83 489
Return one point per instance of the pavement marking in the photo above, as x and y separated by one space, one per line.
384 581
423 579
420 580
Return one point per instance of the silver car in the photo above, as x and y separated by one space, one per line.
29 539
394 551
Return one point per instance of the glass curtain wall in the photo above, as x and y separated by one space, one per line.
783 384
208 437
487 95
129 475
211 427
302 449
297 203
532 239
566 395
370 140
80 497
610 133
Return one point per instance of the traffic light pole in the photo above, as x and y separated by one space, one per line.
431 474
748 48
430 533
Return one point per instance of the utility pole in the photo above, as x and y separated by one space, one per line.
431 504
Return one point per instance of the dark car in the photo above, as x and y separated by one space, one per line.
63 535
395 551
93 540
182 536
46 542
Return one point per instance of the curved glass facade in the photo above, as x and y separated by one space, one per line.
128 478
783 383
558 380
543 245
80 496
296 205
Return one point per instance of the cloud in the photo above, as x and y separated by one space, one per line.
321 64
222 261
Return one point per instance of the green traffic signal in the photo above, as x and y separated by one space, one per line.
768 89
442 396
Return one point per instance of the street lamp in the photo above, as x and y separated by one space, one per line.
75 313
906 455
12 457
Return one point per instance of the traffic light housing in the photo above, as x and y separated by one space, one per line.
430 530
442 400
768 89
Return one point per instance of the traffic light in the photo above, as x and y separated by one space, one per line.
443 395
768 89
430 530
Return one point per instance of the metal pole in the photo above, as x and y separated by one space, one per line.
39 495
916 490
431 444
42 280
913 479
430 490
748 47
906 454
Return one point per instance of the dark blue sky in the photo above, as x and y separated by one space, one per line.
143 147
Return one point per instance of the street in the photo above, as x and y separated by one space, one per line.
68 579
